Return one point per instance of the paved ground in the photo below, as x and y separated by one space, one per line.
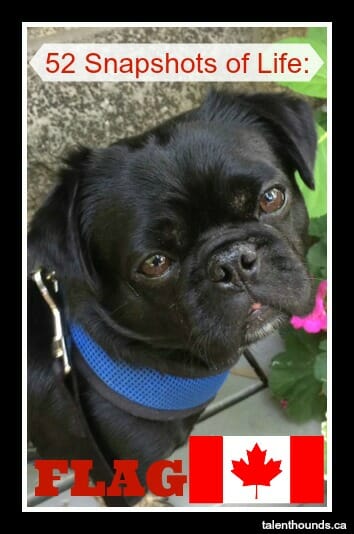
63 115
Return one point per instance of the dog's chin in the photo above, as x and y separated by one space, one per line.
261 323
226 348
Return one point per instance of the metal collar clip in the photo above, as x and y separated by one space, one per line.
59 347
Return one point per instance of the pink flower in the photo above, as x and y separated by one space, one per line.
315 321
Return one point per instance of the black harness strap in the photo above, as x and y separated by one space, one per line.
67 385
101 469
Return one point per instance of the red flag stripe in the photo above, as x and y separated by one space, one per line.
306 469
205 469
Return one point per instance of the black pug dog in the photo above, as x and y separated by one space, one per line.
173 251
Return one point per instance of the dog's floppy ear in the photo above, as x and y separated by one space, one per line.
55 241
292 122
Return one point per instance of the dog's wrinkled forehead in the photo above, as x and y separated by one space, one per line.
203 168
203 174
199 150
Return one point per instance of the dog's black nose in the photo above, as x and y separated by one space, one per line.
229 266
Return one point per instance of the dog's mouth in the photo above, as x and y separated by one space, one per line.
261 321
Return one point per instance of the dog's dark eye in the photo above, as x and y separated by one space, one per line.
155 266
272 200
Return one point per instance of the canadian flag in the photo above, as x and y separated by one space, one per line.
256 469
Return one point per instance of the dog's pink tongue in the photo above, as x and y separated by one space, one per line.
256 306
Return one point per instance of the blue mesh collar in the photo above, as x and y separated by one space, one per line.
143 391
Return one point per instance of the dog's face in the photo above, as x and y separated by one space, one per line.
195 233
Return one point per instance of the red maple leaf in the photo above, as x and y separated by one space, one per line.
256 472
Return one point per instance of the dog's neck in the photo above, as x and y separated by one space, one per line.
121 345
140 390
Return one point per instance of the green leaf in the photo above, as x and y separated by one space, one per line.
292 376
318 227
317 86
321 118
320 367
323 345
317 34
309 402
292 379
317 259
317 254
299 340
316 201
